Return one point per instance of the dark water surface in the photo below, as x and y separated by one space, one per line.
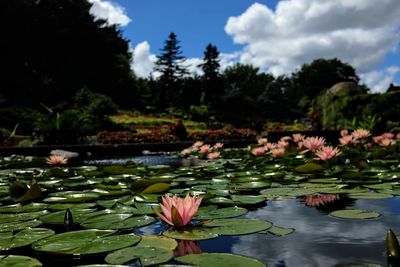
318 240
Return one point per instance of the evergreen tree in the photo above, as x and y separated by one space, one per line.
170 65
212 82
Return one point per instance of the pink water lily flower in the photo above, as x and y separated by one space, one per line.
204 149
313 143
298 137
178 211
214 155
258 151
262 141
344 132
385 142
346 140
56 160
278 152
360 134
198 144
186 152
327 152
218 145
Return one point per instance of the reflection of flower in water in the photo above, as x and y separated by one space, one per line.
320 200
187 247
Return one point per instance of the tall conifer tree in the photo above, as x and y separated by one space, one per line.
170 65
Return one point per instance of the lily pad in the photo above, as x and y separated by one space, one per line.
220 260
208 214
71 197
147 255
19 261
237 226
279 231
117 221
190 233
23 238
158 241
156 188
17 208
85 242
16 226
247 200
370 195
309 168
355 214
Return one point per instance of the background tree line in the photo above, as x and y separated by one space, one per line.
59 57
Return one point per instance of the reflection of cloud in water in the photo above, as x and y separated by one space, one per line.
319 239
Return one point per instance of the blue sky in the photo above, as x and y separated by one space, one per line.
276 36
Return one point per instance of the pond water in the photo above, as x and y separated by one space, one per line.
319 239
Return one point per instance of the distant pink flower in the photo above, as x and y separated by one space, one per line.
285 138
258 151
344 132
214 155
313 143
385 142
320 200
398 136
178 211
298 137
269 146
327 152
198 144
218 145
187 247
377 139
388 135
360 134
346 140
300 146
186 152
204 149
56 160
278 152
282 144
262 141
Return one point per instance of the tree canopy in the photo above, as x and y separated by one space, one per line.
52 48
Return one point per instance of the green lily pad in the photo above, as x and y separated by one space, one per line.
19 261
158 241
279 231
72 206
16 226
23 238
237 226
248 200
370 195
71 197
309 168
17 208
57 217
208 214
355 214
26 216
85 242
117 221
147 255
190 233
219 259
156 188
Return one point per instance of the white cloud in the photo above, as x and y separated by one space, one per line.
380 80
143 60
110 11
358 32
